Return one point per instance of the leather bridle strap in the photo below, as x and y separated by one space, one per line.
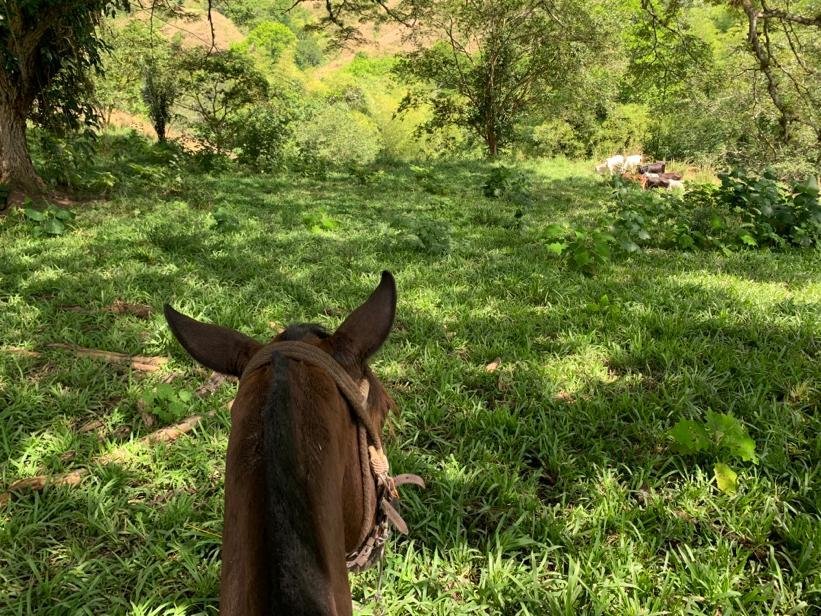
294 349
379 489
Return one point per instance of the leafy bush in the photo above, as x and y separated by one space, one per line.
580 249
261 132
626 129
224 220
317 222
215 88
507 183
776 213
159 91
269 39
746 211
50 221
428 236
70 161
337 136
167 403
721 436
308 52
556 137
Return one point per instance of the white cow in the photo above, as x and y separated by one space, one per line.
632 161
615 163
675 185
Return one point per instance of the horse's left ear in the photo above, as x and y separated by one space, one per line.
367 327
219 348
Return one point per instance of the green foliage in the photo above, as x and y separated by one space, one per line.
47 55
308 52
556 138
507 183
746 211
269 39
159 91
317 222
168 403
720 435
626 129
262 132
502 61
224 220
131 47
585 250
214 88
775 212
429 236
51 221
337 136
70 161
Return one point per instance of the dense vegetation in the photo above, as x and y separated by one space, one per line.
613 393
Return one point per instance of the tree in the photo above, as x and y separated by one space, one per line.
47 48
775 81
270 39
159 91
214 87
496 61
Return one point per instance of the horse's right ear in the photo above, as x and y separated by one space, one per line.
367 327
219 348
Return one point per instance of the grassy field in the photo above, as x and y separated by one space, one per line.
553 487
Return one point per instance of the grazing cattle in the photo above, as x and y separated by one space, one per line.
602 168
648 180
656 167
632 161
308 494
615 163
675 185
671 176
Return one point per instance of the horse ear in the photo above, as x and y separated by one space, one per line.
219 348
367 327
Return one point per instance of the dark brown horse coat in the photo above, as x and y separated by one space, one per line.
293 484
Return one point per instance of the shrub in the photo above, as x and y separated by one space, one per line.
70 161
262 132
775 212
269 39
746 211
507 183
556 137
308 52
337 136
584 250
215 88
159 91
626 129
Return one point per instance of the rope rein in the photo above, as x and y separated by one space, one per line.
379 487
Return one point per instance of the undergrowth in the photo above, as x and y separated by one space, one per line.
639 436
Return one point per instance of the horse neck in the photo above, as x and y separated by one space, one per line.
288 524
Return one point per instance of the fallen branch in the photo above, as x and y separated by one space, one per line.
138 362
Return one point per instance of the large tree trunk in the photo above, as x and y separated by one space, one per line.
16 169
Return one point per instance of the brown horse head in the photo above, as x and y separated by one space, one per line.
297 482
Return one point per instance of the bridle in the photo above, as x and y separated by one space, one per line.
378 486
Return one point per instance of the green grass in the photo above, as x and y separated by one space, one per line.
553 487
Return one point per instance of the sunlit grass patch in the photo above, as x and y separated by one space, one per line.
554 486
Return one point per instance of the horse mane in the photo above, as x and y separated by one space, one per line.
289 539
